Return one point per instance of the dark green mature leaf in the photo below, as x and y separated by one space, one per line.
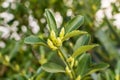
73 33
52 67
74 24
51 21
82 40
97 67
83 64
34 40
83 49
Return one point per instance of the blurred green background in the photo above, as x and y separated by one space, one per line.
21 18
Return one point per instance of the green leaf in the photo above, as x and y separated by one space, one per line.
73 33
83 64
83 49
34 40
109 75
117 69
82 40
74 24
52 67
97 67
51 21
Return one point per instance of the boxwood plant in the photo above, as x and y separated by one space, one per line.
78 65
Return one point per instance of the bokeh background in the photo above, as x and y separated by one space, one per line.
21 18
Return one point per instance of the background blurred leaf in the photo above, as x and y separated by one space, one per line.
97 67
107 44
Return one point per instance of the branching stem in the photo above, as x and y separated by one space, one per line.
67 63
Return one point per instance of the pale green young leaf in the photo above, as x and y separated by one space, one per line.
74 23
73 33
52 67
34 40
51 21
83 49
82 40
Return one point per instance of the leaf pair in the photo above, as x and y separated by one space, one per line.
85 68
73 24
82 45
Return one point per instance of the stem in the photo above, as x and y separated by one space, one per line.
66 62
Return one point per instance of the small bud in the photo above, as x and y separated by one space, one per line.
117 77
58 42
50 44
76 63
41 36
62 33
1 55
94 7
72 61
42 61
68 71
78 78
52 36
23 72
17 67
7 58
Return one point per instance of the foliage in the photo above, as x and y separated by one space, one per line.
58 50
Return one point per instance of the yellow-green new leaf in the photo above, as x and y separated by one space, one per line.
83 49
52 67
73 33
